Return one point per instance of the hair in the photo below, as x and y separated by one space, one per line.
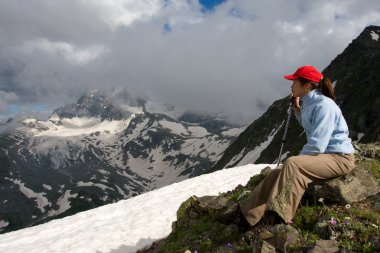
324 86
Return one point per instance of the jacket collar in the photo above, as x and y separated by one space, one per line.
309 97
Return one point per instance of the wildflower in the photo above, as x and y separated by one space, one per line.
347 218
195 251
348 206
333 221
375 226
321 200
229 245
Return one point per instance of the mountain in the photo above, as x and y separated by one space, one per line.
355 73
104 148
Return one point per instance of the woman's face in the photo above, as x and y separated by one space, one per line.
300 90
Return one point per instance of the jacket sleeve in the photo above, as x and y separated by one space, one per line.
323 123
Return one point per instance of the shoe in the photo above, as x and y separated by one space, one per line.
271 218
233 214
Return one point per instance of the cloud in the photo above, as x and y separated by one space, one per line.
70 53
5 98
228 61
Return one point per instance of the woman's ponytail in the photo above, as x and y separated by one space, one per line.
326 88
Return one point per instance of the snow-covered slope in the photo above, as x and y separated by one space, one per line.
125 226
98 152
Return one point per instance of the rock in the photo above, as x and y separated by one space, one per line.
261 246
194 207
376 242
325 246
376 203
325 229
283 235
267 248
214 203
353 187
266 170
322 229
370 150
264 235
183 216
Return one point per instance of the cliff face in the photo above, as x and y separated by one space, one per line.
357 72
356 76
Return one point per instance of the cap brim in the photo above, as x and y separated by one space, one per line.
290 77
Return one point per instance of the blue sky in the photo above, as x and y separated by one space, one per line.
210 4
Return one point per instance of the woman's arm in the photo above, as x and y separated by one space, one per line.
322 127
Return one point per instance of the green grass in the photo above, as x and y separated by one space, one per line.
372 166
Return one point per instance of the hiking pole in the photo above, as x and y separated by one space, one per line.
292 100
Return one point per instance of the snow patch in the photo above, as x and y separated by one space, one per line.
374 35
39 198
81 126
233 131
3 224
175 128
253 155
84 184
63 203
198 131
47 187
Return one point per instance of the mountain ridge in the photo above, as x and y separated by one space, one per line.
355 73
98 151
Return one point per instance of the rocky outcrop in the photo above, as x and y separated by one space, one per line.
338 215
348 189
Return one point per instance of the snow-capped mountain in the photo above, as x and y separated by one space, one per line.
100 150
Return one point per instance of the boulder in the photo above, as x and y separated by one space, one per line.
325 246
356 186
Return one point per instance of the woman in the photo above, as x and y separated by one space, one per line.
328 152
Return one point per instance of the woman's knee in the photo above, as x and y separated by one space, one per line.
291 164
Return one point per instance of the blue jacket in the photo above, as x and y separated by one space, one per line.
326 129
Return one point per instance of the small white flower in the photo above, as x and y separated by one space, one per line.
348 206
375 226
321 200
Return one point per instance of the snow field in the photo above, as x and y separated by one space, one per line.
128 225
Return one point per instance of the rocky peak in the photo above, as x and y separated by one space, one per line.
356 75
95 103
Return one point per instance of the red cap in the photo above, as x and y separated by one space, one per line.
307 72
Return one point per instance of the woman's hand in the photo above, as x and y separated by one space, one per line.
297 107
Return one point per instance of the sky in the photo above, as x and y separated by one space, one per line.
224 57
122 227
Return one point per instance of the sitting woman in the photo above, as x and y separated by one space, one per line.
328 153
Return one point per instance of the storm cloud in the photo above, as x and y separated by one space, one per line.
229 60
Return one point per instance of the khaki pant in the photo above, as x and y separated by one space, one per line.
282 189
